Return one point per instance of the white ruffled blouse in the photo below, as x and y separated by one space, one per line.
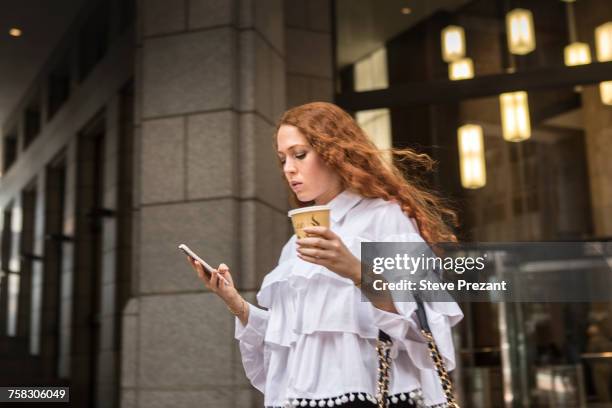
317 338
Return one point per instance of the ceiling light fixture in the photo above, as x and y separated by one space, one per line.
521 34
605 90
472 156
15 32
576 53
461 69
603 42
516 125
603 45
453 43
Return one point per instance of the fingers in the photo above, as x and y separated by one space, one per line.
224 271
196 265
315 253
218 278
314 242
225 276
326 245
214 280
311 259
321 231
202 273
199 268
191 261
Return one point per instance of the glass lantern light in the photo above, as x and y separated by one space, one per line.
516 125
603 46
603 42
577 53
605 91
461 69
453 43
521 34
471 156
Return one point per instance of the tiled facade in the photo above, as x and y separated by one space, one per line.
167 139
154 126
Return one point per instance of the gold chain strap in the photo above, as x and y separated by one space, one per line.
447 385
383 349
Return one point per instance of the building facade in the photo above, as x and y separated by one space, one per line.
151 124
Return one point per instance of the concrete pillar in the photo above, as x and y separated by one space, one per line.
53 188
28 203
3 301
14 328
309 48
38 245
67 268
209 87
110 317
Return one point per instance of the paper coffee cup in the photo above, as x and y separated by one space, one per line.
315 216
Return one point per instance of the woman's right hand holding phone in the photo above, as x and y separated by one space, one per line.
228 293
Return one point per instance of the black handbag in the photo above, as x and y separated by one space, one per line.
383 348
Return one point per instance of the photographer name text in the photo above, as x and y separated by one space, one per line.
427 285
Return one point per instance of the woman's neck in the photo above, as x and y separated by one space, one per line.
328 196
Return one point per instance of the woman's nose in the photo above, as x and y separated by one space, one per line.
289 167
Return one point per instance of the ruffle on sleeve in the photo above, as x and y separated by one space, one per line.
404 327
332 305
251 344
281 327
308 298
255 329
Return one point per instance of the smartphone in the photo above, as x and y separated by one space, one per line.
207 268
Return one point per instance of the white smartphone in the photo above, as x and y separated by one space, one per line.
207 268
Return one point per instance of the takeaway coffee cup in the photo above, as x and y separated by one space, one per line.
314 216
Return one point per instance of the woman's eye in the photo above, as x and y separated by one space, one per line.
300 156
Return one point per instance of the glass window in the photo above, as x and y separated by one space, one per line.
93 39
9 150
31 122
370 73
58 86
497 37
544 124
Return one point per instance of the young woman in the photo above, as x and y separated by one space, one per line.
315 345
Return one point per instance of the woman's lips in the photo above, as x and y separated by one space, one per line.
296 186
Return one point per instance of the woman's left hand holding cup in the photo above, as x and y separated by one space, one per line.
323 247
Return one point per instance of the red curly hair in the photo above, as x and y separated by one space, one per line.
346 148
